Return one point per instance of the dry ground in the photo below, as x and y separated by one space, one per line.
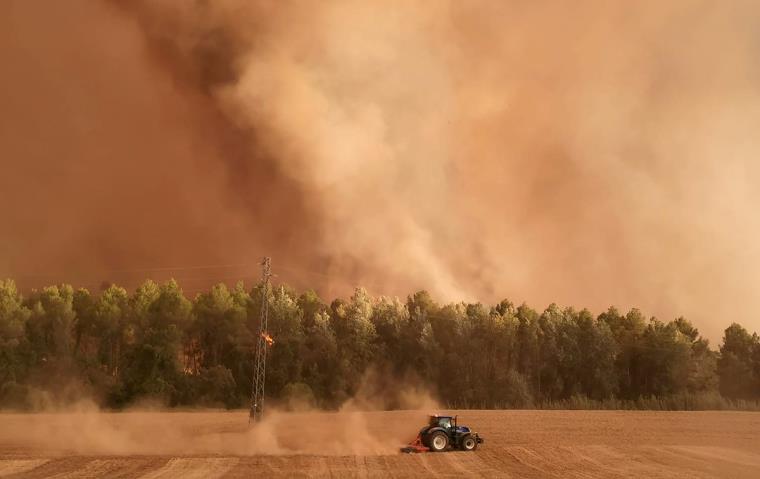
533 444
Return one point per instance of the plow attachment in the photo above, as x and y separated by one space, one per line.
415 446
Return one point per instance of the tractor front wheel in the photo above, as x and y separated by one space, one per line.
469 443
438 441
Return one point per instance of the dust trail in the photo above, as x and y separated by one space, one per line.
588 154
179 433
362 426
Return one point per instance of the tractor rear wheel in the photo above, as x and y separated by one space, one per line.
438 441
469 443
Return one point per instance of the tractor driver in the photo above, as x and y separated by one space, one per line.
444 422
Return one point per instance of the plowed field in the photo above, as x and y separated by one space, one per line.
532 444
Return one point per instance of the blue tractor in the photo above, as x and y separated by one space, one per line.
442 433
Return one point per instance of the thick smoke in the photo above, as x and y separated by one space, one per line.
588 153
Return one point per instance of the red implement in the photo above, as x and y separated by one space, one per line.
415 446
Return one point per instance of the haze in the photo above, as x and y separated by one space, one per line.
586 153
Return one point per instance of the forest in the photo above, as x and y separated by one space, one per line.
59 343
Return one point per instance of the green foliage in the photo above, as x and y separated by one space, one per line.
154 343
739 364
214 387
297 396
149 364
219 339
13 318
50 323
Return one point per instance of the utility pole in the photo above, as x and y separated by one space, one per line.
263 341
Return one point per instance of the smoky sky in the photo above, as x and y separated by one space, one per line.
588 153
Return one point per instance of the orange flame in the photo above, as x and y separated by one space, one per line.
266 337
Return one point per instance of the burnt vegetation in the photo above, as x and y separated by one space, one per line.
60 343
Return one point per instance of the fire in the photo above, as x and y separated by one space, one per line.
266 337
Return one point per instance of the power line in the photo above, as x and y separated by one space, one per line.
96 280
182 268
158 269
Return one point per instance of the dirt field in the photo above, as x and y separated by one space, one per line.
533 444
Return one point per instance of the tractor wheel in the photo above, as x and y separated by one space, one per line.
469 443
438 441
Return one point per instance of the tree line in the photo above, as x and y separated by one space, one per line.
58 343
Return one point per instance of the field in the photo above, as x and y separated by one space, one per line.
532 444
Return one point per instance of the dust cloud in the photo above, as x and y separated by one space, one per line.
362 426
591 153
188 433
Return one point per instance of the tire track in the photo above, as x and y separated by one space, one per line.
252 466
565 462
114 468
193 468
471 464
710 453
437 464
522 456
9 467
342 466
377 467
52 467
507 464
406 465
649 461
562 444
596 457
712 461
360 466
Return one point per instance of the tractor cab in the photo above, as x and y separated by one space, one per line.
446 422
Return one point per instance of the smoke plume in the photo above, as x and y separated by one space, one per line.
589 153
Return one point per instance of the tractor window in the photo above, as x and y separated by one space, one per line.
444 422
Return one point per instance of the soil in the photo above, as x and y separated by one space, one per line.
530 444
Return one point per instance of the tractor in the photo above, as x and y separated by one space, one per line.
442 433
